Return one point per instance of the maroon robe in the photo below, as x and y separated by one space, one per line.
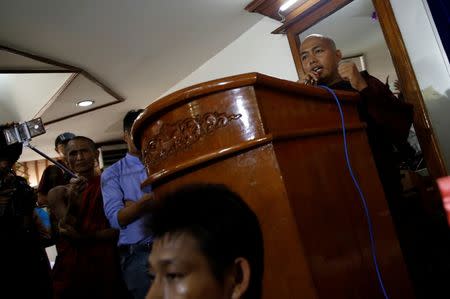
89 269
388 122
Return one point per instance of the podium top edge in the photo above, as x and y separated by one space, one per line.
248 79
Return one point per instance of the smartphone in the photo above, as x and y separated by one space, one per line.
24 131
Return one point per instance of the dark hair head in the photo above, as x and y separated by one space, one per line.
63 138
10 153
129 119
91 142
221 222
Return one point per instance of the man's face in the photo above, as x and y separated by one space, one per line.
318 55
81 156
182 271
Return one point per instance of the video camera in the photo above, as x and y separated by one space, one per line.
23 132
20 198
17 134
12 139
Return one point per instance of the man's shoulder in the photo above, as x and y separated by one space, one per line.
113 169
370 78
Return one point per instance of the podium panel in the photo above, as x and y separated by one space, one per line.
279 145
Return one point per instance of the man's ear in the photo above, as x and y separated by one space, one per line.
239 278
125 136
339 55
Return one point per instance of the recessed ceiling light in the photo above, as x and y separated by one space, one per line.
85 103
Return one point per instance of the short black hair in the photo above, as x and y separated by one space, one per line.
63 138
129 119
91 142
221 222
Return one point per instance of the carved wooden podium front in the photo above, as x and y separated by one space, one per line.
279 145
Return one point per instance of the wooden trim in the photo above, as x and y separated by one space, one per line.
411 90
205 159
254 5
36 171
294 44
315 14
188 94
267 8
103 86
57 94
270 8
33 71
41 59
303 8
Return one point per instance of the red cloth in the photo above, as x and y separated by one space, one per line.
90 269
444 188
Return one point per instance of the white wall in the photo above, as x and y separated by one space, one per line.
379 62
430 65
257 50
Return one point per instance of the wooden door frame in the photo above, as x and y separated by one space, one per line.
407 78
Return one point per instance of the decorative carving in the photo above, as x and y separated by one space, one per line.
172 138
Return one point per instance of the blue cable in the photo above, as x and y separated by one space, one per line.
361 195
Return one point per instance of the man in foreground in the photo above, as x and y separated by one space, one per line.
208 244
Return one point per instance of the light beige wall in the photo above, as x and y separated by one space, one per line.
257 50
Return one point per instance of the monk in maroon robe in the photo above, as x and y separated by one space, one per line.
87 265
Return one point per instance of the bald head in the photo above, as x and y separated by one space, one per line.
324 38
320 57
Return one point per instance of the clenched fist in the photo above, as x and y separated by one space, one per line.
349 72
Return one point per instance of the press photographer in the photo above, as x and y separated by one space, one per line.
25 269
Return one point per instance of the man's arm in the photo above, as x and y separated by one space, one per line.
395 116
381 105
113 196
134 210
118 213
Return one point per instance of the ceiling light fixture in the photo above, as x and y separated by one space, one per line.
85 103
286 5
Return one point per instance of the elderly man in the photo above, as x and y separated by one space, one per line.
87 264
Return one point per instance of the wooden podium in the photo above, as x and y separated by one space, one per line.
279 145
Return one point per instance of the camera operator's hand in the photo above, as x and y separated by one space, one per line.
77 185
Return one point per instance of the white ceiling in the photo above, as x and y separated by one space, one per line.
138 48
23 95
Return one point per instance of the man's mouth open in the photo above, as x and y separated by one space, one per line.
318 70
